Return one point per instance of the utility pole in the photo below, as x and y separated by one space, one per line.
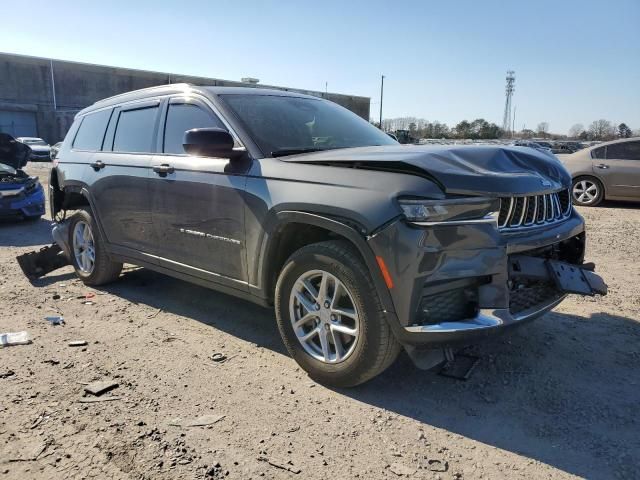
326 87
53 86
381 95
513 124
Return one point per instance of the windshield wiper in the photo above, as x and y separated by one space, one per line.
283 152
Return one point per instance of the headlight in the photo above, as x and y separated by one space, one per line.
451 210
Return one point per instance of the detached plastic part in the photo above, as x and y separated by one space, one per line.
37 264
16 338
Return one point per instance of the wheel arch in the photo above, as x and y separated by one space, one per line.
292 230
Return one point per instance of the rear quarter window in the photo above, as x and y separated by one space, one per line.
599 153
92 129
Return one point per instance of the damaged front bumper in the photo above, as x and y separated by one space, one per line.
19 203
455 284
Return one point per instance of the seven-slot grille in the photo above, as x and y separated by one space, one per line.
534 210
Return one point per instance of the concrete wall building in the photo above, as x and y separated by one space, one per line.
40 96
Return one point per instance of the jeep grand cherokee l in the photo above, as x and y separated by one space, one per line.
363 246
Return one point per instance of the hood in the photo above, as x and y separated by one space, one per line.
13 153
457 169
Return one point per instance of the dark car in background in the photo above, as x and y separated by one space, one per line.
40 150
21 195
363 246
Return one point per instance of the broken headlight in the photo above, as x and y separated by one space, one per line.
462 209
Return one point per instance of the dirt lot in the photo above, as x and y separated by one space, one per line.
557 398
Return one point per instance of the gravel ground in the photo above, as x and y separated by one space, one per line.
557 398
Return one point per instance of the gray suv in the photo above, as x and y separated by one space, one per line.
362 245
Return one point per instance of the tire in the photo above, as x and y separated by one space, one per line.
587 191
101 270
363 355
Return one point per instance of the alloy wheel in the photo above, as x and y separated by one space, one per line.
84 247
585 191
324 316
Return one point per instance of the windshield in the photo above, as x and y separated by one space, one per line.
283 125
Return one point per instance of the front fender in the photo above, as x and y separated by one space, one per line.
280 219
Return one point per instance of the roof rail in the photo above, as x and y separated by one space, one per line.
176 86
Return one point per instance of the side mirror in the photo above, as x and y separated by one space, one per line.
210 142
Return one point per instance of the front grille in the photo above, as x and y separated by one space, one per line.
535 294
534 210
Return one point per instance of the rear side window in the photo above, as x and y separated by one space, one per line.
624 151
598 153
134 132
91 132
182 117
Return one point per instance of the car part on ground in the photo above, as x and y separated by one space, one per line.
37 264
364 246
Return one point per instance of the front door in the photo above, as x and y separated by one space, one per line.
620 170
197 202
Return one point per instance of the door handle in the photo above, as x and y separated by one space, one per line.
97 165
602 166
163 169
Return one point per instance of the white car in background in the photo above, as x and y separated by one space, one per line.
40 150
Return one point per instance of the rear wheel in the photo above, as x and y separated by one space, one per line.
330 317
88 256
587 191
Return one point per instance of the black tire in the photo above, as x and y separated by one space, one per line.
576 186
375 349
104 269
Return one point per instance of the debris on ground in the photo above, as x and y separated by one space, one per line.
7 374
35 453
38 420
400 469
98 399
98 388
55 320
203 421
14 338
436 465
288 465
78 343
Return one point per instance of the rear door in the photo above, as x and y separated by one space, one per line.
620 169
198 206
120 176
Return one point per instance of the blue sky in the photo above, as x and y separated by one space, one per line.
575 61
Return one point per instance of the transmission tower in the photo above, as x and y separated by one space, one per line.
509 89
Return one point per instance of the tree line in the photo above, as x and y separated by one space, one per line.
481 129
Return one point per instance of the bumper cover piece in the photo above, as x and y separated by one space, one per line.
37 264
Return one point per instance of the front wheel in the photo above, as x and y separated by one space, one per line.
88 256
330 317
587 191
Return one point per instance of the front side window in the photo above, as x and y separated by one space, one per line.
134 132
91 132
285 125
624 151
182 117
